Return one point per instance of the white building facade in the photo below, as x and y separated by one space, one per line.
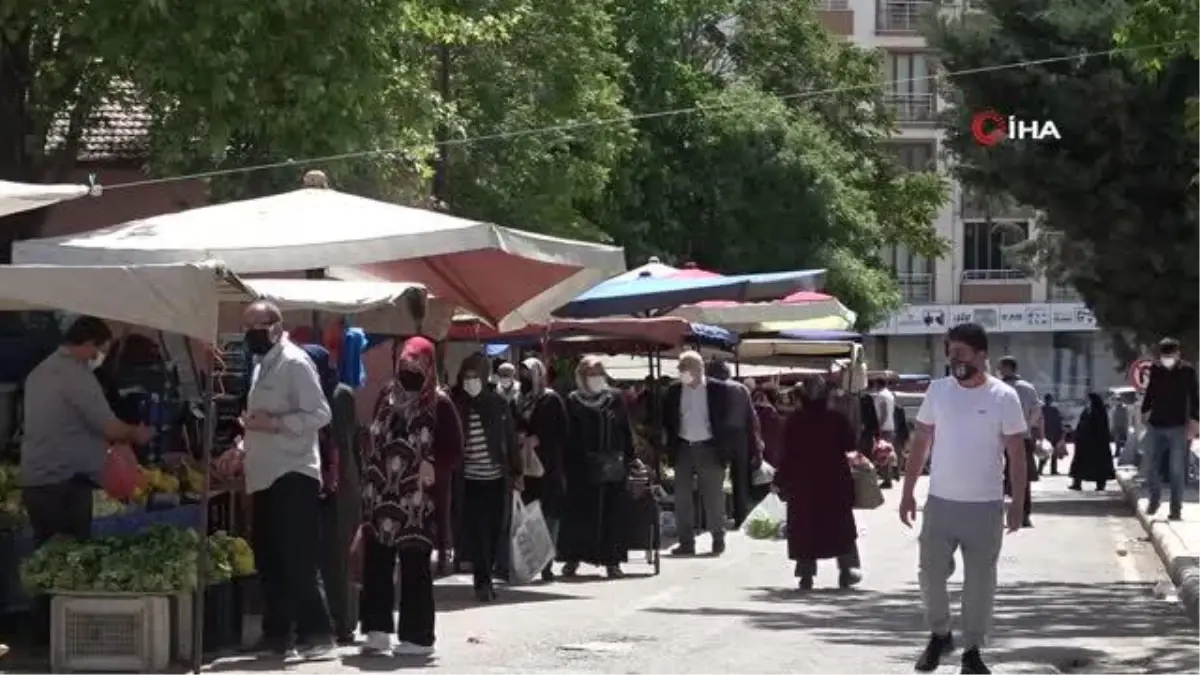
1050 332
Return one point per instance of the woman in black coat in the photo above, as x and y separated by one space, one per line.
1093 460
542 423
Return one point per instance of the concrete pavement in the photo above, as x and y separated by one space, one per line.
1076 596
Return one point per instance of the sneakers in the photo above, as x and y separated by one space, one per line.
614 572
849 578
377 644
410 649
320 651
931 658
718 545
684 550
274 649
570 570
973 663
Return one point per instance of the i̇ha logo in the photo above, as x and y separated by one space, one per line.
990 127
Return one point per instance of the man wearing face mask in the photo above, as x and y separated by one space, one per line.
1171 409
286 409
700 443
1033 418
973 422
506 382
492 467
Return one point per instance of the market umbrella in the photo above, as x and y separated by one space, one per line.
17 197
509 277
803 310
649 294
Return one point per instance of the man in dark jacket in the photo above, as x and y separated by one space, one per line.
1052 429
492 469
1171 406
747 449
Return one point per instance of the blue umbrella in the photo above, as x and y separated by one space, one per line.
650 294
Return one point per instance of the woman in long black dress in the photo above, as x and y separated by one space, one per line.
596 464
1093 460
542 423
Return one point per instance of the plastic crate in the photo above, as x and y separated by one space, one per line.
94 632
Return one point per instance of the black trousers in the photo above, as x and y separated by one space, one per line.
287 551
482 522
1031 474
807 567
63 509
378 600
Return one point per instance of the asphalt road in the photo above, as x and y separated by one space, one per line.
1077 595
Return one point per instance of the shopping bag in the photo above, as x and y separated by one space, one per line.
532 547
1043 450
867 493
767 519
763 475
122 476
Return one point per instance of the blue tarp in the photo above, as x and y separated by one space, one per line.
702 334
648 294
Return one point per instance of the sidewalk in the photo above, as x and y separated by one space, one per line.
1177 543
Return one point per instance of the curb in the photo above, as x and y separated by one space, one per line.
1180 564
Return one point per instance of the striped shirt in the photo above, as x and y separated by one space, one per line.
477 462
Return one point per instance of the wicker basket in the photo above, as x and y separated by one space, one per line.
97 632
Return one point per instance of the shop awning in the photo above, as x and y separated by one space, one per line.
17 197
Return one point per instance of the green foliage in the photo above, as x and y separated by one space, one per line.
1119 205
1159 31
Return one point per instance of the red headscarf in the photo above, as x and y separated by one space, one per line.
419 356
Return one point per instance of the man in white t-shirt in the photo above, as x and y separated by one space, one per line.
973 422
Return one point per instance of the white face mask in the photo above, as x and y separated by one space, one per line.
97 361
472 386
686 378
596 383
1169 361
506 382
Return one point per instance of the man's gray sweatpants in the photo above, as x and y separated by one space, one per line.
976 528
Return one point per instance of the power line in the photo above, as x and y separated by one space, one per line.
691 110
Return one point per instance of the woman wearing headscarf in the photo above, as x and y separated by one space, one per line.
506 382
1093 460
770 421
814 478
596 463
415 442
341 508
542 425
492 469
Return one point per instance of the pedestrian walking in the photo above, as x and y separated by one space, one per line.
1052 431
542 426
1093 460
700 442
1171 407
1032 408
492 469
814 479
745 439
596 462
415 441
972 422
286 409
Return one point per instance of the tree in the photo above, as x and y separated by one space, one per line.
1116 192
745 180
1160 30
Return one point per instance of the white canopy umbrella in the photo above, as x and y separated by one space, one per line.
17 197
509 277
377 307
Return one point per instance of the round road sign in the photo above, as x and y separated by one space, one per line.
1139 373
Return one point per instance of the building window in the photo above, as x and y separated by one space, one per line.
832 5
910 85
984 248
916 156
914 274
900 16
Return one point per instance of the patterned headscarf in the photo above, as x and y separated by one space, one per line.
537 378
396 507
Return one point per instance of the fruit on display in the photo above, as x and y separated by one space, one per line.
104 506
159 480
193 480
162 559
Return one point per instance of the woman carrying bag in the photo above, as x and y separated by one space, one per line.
542 428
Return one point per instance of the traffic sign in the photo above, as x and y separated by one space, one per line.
1139 373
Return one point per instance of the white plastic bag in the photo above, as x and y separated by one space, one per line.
769 516
764 475
532 545
1043 450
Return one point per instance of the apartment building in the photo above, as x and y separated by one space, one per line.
1047 328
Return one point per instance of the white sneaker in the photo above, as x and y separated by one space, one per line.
377 644
410 649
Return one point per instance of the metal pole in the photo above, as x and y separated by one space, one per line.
210 428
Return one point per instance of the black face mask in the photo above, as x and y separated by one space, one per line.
526 383
962 370
410 380
258 341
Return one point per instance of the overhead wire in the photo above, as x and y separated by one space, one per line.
636 117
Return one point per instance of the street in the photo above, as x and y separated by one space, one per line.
1076 595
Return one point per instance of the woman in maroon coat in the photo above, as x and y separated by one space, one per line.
770 422
814 478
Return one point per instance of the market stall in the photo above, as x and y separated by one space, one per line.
18 197
153 526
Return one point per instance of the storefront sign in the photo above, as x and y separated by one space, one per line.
1016 318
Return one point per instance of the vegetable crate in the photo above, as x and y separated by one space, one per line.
96 632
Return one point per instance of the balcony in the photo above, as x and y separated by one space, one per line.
994 287
1062 294
836 15
915 288
914 108
900 17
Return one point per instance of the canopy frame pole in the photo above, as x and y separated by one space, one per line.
210 429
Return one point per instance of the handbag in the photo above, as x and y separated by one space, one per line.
867 493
